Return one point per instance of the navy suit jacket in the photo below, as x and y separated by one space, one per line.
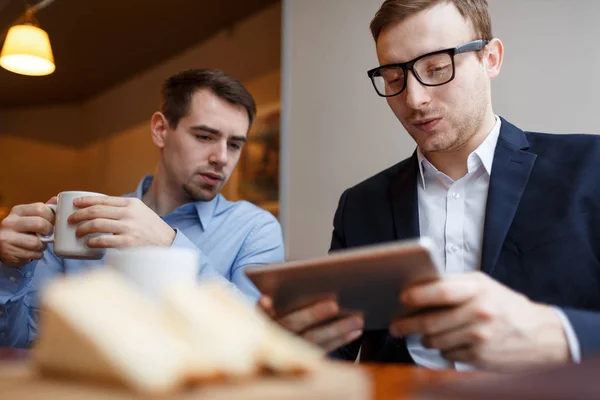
541 234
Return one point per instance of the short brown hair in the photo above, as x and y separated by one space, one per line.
475 11
178 89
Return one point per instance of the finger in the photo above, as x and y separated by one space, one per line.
301 320
34 210
467 335
451 290
26 241
16 257
53 200
109 242
434 322
342 340
93 212
465 354
100 226
265 303
334 331
33 224
88 201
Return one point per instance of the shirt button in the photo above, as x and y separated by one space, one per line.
12 279
452 248
28 274
455 195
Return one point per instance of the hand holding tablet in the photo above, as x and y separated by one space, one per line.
364 281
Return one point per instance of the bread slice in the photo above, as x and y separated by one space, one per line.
224 334
96 326
285 353
233 336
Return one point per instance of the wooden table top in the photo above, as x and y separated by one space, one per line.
400 382
390 382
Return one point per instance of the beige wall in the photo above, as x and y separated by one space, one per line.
51 120
33 171
115 165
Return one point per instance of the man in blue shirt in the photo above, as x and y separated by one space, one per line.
200 131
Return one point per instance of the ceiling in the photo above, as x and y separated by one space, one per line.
100 43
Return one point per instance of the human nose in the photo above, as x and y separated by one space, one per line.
219 155
416 93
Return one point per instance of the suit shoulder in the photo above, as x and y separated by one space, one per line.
565 148
575 140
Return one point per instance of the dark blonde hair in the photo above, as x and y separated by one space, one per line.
475 11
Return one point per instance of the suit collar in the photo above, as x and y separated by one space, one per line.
513 135
511 168
403 194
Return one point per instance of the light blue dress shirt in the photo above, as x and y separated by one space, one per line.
229 235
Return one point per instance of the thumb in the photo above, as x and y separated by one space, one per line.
53 200
265 303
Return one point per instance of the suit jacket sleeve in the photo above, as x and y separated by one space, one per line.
338 241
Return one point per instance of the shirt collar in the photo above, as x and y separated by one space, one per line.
483 154
205 210
486 150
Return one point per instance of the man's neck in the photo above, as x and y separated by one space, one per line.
161 197
454 163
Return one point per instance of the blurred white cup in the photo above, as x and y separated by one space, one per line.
154 268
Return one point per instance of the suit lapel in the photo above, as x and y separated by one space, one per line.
510 173
403 194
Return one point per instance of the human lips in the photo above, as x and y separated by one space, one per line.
426 124
211 178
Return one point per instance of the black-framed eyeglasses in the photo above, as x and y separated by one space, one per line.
431 69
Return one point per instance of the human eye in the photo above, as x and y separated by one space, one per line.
235 146
439 69
393 77
437 66
203 137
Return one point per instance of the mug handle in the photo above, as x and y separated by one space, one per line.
50 238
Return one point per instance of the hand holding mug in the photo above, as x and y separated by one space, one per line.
19 243
66 243
128 219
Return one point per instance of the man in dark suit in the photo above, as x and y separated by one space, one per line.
514 214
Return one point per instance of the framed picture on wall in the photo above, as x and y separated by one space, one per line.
258 170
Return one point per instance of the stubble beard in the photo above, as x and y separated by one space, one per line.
200 192
462 126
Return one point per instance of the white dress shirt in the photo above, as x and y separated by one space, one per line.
452 214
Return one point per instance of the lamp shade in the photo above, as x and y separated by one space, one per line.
27 51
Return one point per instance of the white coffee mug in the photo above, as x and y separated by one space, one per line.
154 268
66 243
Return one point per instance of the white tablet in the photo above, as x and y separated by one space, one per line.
366 280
